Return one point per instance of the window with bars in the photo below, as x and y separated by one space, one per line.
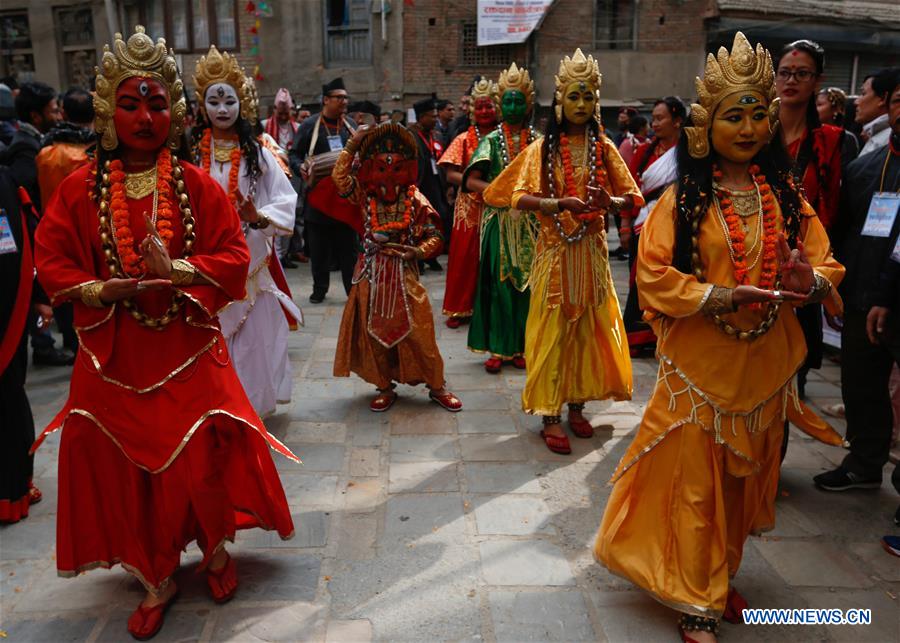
75 40
189 25
614 24
16 53
471 55
348 32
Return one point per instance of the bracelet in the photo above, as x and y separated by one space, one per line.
90 294
261 223
692 623
719 302
819 291
549 206
616 204
183 272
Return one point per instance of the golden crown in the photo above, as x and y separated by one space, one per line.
743 69
575 69
518 79
483 88
217 67
139 57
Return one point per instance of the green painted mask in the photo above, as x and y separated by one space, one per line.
513 106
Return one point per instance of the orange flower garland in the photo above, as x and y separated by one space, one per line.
473 138
600 177
234 170
737 237
132 262
523 140
392 226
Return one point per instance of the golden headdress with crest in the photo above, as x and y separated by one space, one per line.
743 69
518 79
139 57
483 88
217 67
578 68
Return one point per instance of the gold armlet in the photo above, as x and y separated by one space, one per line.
819 291
617 203
420 254
549 206
183 272
90 294
262 222
719 302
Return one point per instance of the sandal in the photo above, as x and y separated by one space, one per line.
453 322
735 605
580 427
448 400
218 578
556 443
493 365
519 362
383 401
34 494
145 622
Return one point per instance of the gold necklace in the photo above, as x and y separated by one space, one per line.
140 184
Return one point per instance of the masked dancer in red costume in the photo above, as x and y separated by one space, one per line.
161 446
462 267
387 331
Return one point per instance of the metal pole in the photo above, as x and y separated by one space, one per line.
112 20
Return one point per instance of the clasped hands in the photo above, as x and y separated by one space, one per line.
158 263
598 200
797 278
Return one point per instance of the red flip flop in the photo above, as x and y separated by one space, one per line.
557 443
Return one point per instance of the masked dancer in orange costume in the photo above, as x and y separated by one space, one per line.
387 331
161 446
724 256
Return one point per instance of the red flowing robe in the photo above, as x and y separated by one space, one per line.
465 251
161 445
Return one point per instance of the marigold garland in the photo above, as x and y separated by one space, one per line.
737 236
234 170
508 137
392 226
132 262
571 188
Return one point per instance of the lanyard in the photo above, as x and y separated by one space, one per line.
429 142
887 159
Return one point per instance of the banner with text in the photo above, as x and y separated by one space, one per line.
503 22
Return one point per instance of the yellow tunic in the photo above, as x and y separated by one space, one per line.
575 343
702 471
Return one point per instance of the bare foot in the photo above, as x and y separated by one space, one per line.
702 637
555 429
152 600
218 560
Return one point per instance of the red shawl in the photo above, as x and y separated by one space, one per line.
822 174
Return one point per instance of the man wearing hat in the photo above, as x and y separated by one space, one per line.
281 126
430 181
329 239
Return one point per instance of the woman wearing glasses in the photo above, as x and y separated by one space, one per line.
819 153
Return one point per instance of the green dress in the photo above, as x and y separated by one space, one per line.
507 251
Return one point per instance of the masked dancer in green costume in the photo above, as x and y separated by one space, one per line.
507 235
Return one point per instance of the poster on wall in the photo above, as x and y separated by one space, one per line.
503 22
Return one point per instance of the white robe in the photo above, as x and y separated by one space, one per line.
255 327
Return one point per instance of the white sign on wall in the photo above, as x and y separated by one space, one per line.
502 22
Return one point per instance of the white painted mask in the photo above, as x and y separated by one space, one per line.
222 105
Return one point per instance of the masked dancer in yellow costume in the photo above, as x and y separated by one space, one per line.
575 343
724 257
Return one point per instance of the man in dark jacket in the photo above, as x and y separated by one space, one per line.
867 244
329 240
429 181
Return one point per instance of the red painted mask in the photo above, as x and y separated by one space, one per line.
142 117
485 113
386 176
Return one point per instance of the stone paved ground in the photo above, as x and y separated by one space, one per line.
419 525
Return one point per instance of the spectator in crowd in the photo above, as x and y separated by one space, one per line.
462 122
625 115
12 83
330 240
364 112
429 180
872 111
398 117
831 104
870 339
7 117
65 149
37 109
445 111
302 115
638 128
281 126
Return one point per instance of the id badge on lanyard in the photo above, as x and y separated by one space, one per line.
335 144
434 166
7 241
882 213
